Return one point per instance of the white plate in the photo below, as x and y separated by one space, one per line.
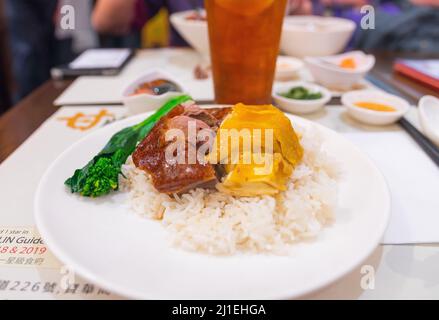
103 241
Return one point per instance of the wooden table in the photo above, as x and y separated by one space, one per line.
20 121
23 119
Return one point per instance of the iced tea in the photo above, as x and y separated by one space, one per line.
244 42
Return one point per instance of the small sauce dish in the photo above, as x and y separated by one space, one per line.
300 106
138 102
374 107
287 68
340 72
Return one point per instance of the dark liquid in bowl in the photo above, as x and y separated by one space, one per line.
156 87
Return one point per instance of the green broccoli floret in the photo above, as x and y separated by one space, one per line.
98 178
101 175
101 179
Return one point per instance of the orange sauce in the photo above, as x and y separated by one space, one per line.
348 63
375 106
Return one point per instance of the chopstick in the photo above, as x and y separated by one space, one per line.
429 147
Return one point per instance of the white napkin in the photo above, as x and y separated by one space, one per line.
413 180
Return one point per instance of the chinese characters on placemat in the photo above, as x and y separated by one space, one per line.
23 247
50 289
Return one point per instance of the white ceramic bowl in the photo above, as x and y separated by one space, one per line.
143 102
326 70
315 36
193 31
288 67
370 116
428 110
300 106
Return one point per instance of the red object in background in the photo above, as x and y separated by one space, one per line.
423 71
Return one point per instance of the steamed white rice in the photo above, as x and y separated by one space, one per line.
216 223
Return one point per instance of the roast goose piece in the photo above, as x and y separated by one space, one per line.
169 177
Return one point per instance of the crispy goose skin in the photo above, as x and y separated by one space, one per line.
173 177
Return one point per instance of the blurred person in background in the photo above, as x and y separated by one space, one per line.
5 70
400 25
119 17
37 42
403 26
119 22
34 48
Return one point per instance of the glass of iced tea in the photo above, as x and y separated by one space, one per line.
244 45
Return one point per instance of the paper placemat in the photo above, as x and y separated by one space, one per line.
28 270
413 180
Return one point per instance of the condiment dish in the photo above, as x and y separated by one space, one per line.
287 67
298 106
350 99
328 71
143 102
